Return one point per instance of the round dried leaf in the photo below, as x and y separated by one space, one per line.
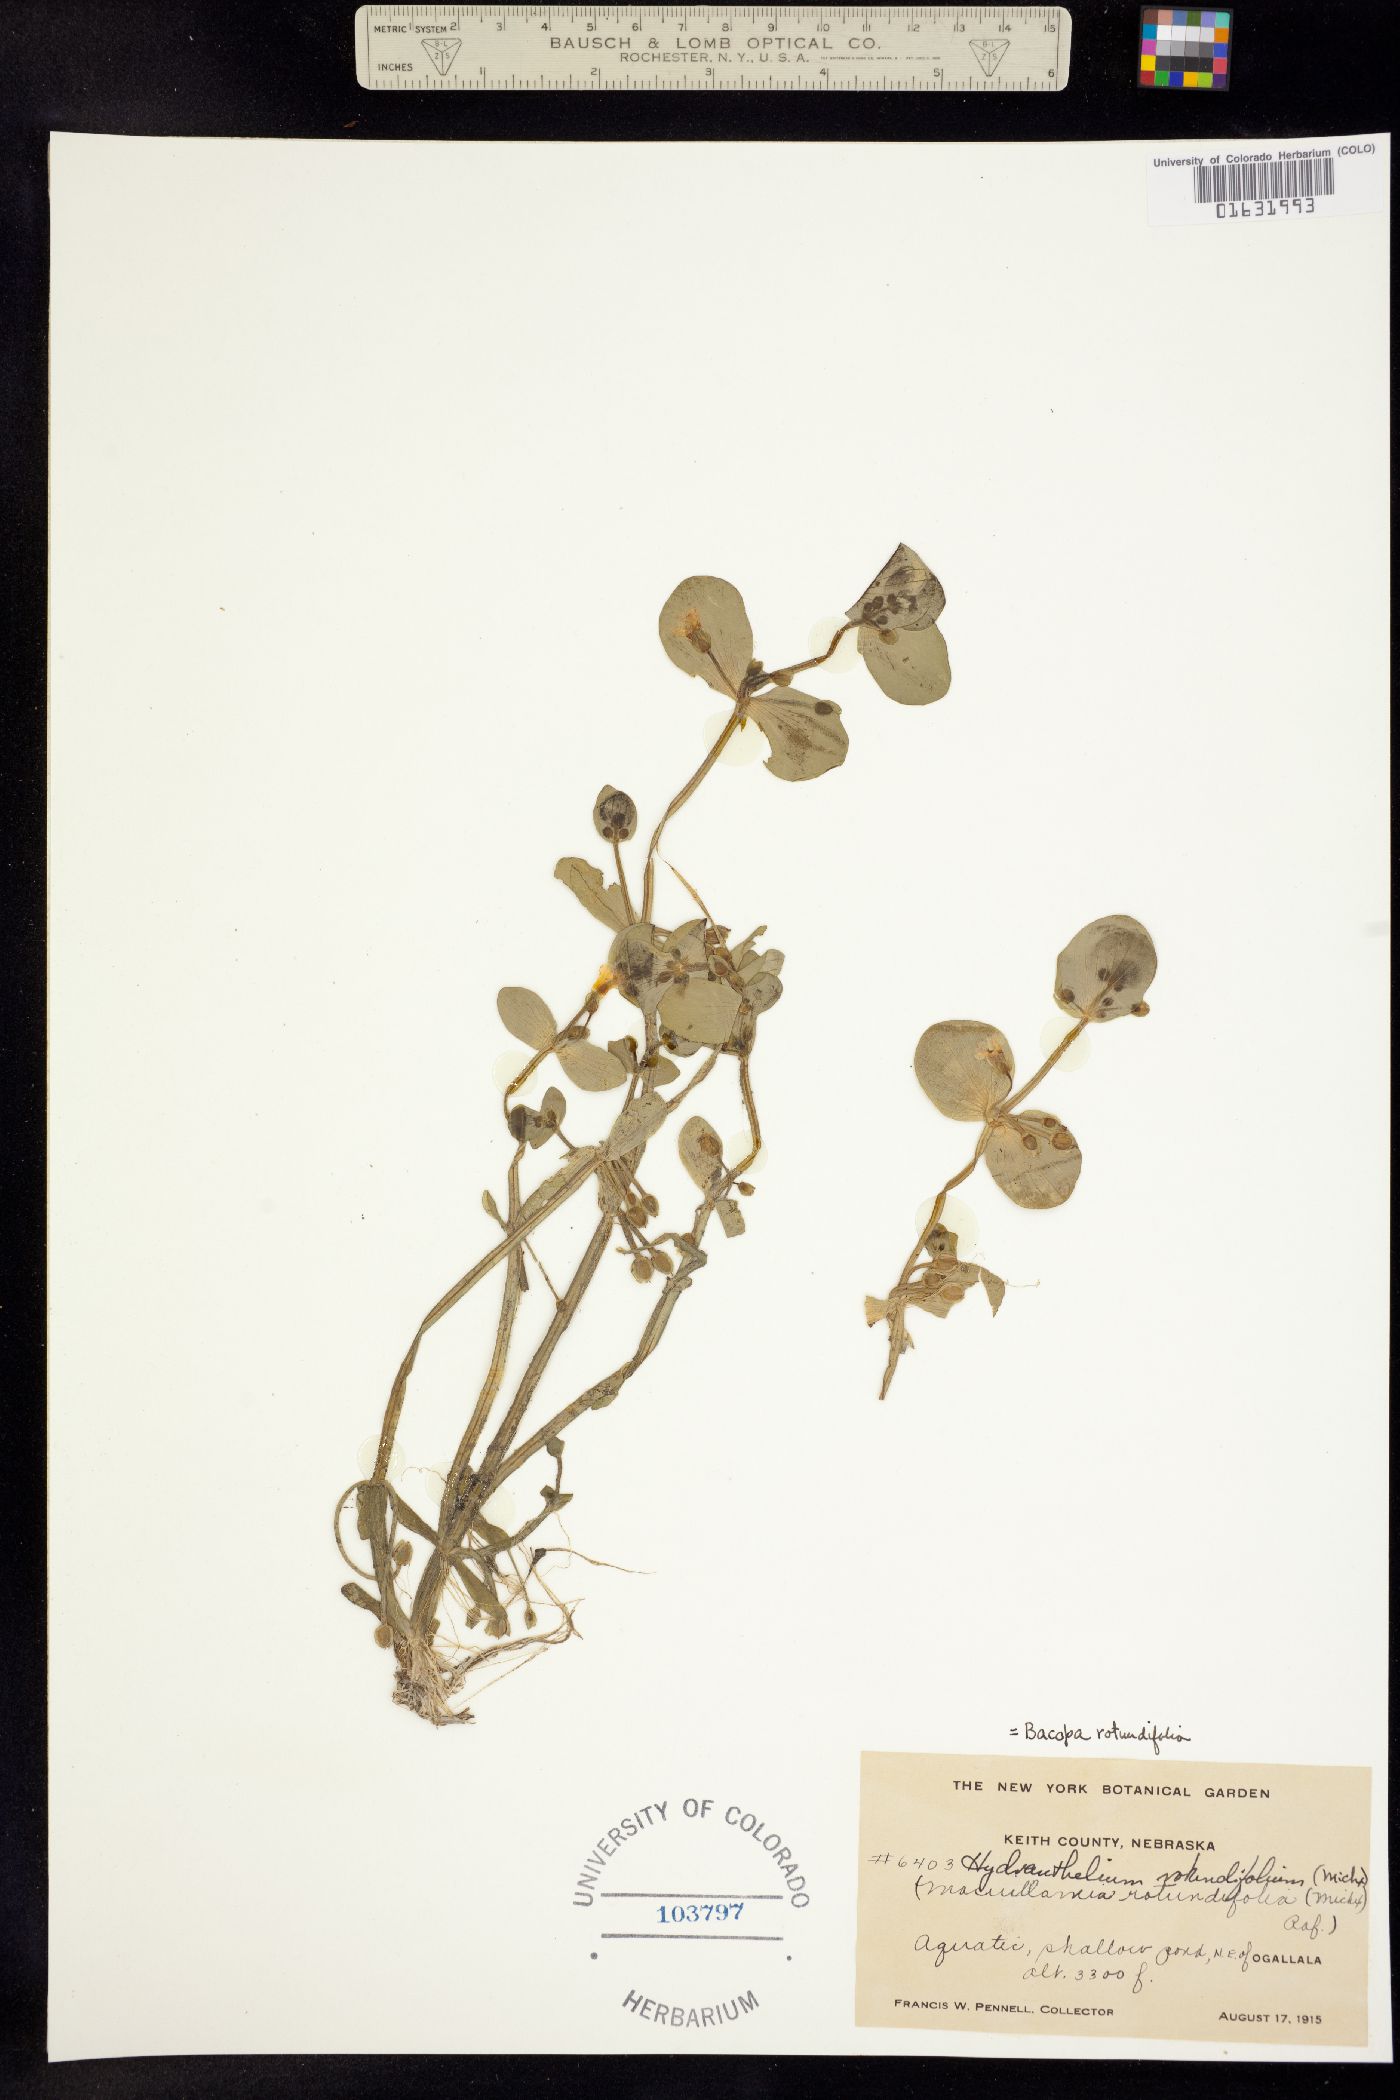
911 668
701 1010
905 595
1106 969
965 1068
805 735
705 631
701 1151
526 1016
594 1069
1033 1160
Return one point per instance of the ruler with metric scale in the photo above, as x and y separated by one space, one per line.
924 50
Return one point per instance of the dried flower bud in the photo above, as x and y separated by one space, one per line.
614 816
641 1268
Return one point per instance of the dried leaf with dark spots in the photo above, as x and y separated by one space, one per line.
635 959
1106 969
614 816
805 736
906 595
1033 1159
701 1010
534 1126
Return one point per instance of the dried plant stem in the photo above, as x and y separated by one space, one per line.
810 663
622 879
606 1390
510 1305
679 800
1003 1108
463 1500
755 1134
695 990
586 1162
698 1078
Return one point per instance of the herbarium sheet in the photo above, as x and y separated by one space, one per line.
719 942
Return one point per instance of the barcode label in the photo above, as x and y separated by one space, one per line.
1255 180
1247 183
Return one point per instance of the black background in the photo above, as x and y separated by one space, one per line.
279 68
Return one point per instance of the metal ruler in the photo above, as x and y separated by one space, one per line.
928 50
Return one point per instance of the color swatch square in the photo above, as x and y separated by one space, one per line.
1185 47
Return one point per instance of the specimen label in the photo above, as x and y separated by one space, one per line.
1019 50
1114 1898
1207 182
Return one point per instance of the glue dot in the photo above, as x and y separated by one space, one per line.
738 1146
506 1067
1054 1032
847 652
747 743
499 1509
369 1452
960 1219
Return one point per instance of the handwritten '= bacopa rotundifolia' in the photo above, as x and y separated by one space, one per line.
967 1071
458 1595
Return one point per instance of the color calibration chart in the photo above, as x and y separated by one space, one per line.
1185 47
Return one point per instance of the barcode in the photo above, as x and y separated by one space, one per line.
1247 182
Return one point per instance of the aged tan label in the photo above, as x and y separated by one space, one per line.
1095 1896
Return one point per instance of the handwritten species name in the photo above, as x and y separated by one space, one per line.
1081 1875
1066 1732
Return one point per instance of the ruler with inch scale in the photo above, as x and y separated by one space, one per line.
925 50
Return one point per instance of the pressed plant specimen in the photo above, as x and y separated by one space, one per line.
966 1069
456 1594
